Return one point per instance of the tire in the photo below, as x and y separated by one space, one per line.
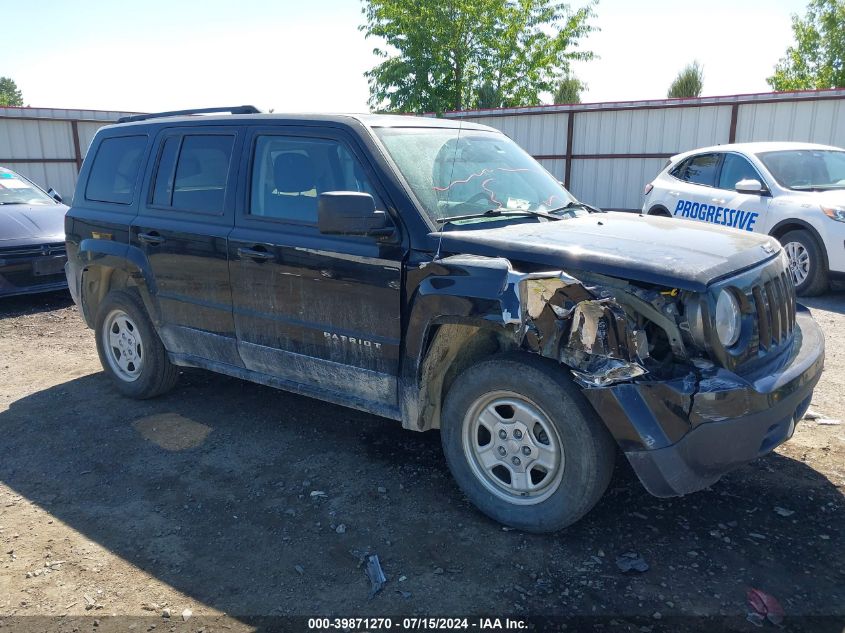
130 351
806 263
660 211
544 497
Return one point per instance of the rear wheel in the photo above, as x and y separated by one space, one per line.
661 211
524 445
806 263
129 348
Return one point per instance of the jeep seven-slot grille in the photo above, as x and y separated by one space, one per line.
774 302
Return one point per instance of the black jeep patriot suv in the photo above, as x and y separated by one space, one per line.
430 271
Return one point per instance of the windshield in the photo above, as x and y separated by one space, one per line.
463 172
16 190
807 169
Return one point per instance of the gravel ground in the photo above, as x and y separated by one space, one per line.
238 502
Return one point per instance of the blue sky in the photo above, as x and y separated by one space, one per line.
310 56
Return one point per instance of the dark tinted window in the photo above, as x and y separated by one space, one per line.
115 169
198 182
701 170
734 169
290 172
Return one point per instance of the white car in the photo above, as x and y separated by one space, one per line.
794 192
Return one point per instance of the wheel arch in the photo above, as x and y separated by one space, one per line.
451 348
794 224
659 209
110 266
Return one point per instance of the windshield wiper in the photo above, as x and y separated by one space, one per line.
576 205
496 213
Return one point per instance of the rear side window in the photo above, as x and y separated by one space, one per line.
115 169
699 170
192 172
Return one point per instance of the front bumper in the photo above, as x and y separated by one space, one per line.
31 269
683 435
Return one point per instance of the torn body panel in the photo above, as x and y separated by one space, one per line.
548 313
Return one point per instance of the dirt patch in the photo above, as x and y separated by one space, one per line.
202 500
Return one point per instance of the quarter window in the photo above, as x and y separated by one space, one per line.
289 172
115 169
192 172
734 169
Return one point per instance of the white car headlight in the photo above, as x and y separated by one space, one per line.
835 213
728 318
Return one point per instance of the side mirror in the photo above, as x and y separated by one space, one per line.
54 194
751 186
351 213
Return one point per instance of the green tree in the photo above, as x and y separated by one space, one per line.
688 83
488 97
9 93
443 55
817 60
569 90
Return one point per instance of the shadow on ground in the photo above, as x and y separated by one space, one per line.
34 304
209 490
832 301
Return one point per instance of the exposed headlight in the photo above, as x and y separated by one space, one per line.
728 318
835 213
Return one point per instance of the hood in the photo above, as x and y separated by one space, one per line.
832 198
664 251
25 224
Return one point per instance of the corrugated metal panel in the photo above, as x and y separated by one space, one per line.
538 135
555 166
59 176
669 130
35 139
811 122
86 134
46 134
805 95
613 183
58 113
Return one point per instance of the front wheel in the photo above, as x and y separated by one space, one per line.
524 445
806 263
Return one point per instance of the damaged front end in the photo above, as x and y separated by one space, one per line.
683 411
599 331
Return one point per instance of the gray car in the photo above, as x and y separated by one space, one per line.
32 237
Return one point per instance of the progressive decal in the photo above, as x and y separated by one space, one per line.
735 218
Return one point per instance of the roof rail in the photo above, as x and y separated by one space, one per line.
244 109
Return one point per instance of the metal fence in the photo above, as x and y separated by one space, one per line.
605 153
47 145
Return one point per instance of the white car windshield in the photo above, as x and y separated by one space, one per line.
456 172
16 190
807 169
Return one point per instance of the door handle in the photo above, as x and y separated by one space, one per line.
674 193
254 254
153 239
718 200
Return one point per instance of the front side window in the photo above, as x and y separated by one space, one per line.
115 169
807 169
192 172
699 170
456 172
289 172
734 169
17 190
